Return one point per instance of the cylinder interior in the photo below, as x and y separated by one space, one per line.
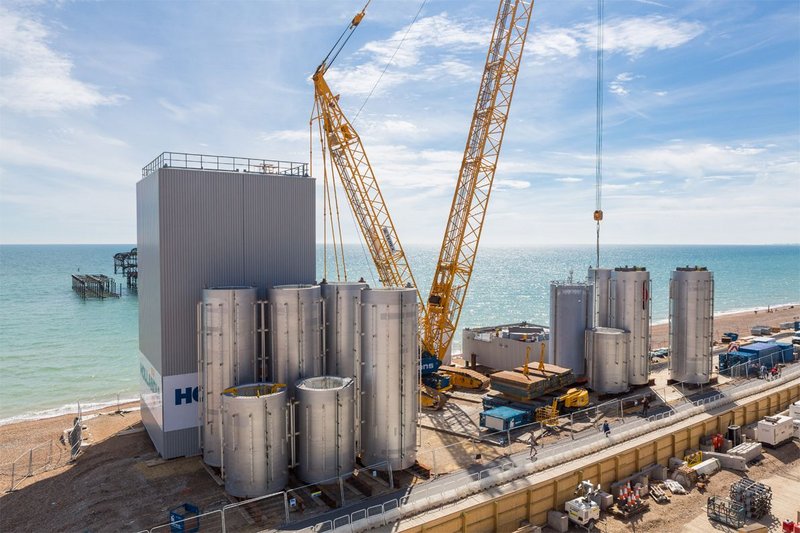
254 390
324 383
294 286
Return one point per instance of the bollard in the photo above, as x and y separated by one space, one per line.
30 462
13 465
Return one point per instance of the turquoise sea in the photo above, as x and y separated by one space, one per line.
57 349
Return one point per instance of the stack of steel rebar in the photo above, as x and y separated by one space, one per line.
755 497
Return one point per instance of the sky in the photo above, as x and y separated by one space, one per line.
701 123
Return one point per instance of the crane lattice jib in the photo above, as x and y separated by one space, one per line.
362 190
467 212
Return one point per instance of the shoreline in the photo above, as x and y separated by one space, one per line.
659 335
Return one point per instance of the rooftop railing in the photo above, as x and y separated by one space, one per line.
225 163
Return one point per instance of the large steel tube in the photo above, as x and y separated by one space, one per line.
607 360
691 324
571 314
343 338
390 380
255 458
227 356
600 278
630 308
295 326
325 446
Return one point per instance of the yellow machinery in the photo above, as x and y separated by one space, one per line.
572 399
440 314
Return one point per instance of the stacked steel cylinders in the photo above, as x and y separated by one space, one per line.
630 311
607 360
227 347
389 378
325 448
691 324
255 453
343 339
295 325
600 278
571 314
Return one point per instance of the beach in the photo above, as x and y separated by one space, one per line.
739 323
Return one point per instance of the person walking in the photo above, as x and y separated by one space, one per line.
606 429
534 445
645 405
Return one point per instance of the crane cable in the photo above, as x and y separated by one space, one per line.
386 67
598 213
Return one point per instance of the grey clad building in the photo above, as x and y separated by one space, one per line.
206 221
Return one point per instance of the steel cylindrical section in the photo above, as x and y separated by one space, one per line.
630 294
255 444
600 278
326 444
227 356
571 314
691 324
343 339
607 360
389 378
296 336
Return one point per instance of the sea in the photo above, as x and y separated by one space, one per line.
57 349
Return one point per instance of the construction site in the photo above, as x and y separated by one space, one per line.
272 400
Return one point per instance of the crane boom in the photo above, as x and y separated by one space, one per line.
478 166
362 190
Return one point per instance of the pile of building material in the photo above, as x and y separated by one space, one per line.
755 497
748 450
535 384
725 511
658 494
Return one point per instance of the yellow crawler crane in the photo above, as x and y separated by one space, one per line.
439 316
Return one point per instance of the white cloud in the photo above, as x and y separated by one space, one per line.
414 60
36 78
618 86
182 113
569 179
506 184
631 36
285 135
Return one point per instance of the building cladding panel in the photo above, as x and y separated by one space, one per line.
204 228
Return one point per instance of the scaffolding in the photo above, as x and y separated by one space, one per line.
725 511
126 263
94 286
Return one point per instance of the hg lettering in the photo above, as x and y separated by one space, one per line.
185 395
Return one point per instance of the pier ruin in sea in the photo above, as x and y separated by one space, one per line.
94 286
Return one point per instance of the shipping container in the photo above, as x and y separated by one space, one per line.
504 418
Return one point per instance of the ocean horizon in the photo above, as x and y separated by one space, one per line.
57 349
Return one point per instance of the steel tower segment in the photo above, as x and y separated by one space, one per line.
478 166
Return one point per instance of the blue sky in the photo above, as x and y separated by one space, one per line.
702 122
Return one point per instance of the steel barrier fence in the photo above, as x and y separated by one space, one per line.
45 456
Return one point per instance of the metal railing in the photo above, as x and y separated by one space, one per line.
45 456
225 163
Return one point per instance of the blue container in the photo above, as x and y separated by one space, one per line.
504 418
762 349
797 325
787 352
184 519
732 336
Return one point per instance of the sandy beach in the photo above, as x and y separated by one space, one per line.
736 322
